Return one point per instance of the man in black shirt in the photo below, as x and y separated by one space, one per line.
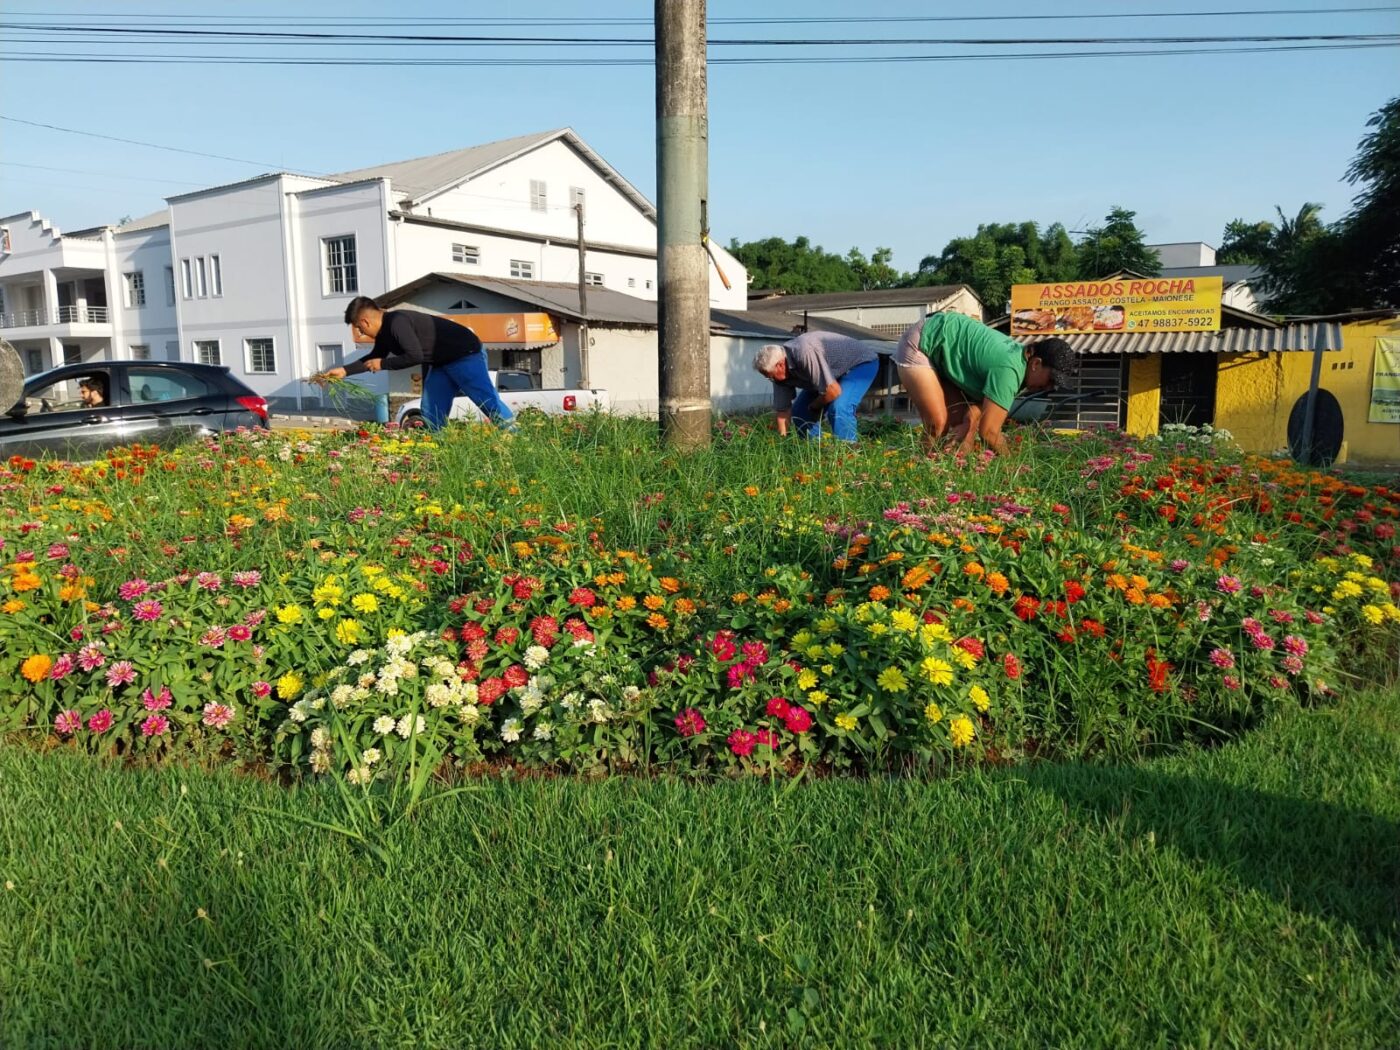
451 352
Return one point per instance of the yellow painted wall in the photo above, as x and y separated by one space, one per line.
1144 395
1255 393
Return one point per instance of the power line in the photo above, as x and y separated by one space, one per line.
506 62
104 174
136 142
363 21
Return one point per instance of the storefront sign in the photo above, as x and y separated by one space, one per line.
522 328
1385 383
1118 304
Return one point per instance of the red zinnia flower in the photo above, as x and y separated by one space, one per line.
1026 607
1157 672
766 737
490 690
690 722
1011 664
507 635
741 742
1074 591
798 719
583 596
777 707
516 675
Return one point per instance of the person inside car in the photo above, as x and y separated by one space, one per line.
92 391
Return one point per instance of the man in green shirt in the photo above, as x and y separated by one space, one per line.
961 374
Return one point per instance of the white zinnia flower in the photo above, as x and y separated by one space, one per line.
384 725
438 695
358 775
470 714
543 731
400 645
369 756
320 737
598 709
320 761
535 657
407 728
342 695
630 693
510 730
358 657
299 711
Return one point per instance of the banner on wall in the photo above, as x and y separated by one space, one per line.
1385 382
1117 304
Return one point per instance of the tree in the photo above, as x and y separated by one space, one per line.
1370 234
1245 243
798 268
999 255
1116 245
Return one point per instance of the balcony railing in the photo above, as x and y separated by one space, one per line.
63 315
83 315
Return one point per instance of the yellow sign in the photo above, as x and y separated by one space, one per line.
1385 383
1117 304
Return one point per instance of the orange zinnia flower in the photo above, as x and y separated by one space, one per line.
654 602
916 577
879 593
670 584
626 602
973 568
657 621
36 668
997 582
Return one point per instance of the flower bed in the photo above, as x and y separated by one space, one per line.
366 603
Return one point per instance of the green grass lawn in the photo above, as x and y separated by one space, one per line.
1245 896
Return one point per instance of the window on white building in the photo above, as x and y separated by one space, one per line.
135 289
539 195
172 350
186 280
140 351
469 254
522 268
206 352
201 278
593 280
331 355
648 282
631 282
36 360
342 272
576 196
2 303
258 357
216 276
72 354
170 286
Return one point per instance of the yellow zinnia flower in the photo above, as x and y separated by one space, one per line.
846 722
289 685
979 698
892 680
933 712
938 672
961 730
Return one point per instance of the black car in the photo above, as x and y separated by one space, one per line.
80 411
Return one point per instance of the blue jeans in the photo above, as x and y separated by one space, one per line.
467 375
841 413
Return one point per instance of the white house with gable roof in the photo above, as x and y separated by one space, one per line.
255 275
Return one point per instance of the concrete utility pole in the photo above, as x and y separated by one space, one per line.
583 335
682 181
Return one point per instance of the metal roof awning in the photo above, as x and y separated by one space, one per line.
1307 336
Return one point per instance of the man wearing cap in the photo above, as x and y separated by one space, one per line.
961 374
818 374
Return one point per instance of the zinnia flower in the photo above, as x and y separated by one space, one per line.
1011 664
209 581
101 721
892 680
961 730
690 722
1222 658
798 719
766 737
247 578
90 658
68 722
742 742
1228 585
1295 645
289 685
938 672
979 698
147 610
36 668
777 707
121 673
133 589
261 689
217 715
240 632
156 701
155 725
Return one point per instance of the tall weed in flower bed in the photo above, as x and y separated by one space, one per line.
574 598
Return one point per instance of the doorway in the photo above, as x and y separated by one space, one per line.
1188 389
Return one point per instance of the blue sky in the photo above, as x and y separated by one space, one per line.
904 155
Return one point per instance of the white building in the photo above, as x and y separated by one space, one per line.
1197 259
256 274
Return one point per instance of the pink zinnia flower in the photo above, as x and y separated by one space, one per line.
1261 641
690 722
90 658
1278 681
210 581
1251 625
755 653
777 707
77 633
766 737
217 715
742 742
1281 616
738 674
1228 585
155 725
1293 665
1230 681
1295 645
261 689
798 719
68 722
133 589
255 617
156 701
247 578
121 673
214 637
240 632
101 721
1179 565
722 645
1315 617
62 667
1222 658
149 609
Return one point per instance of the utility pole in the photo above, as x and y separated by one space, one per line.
582 300
682 186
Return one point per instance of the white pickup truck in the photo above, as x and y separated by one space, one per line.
518 391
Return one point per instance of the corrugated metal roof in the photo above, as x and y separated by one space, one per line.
605 306
1289 337
153 221
925 295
